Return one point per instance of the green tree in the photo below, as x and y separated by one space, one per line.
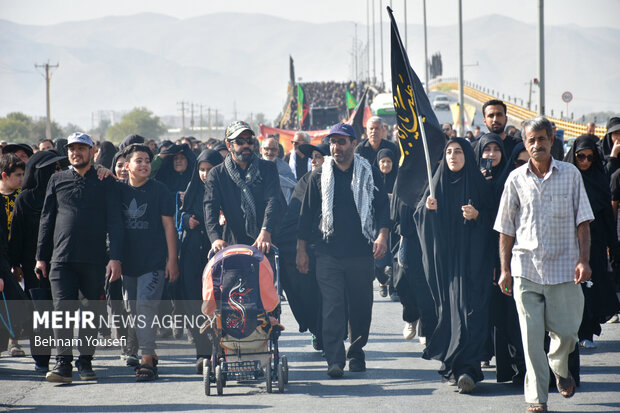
140 121
16 128
12 130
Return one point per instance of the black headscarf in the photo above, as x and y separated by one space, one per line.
166 174
594 179
59 144
37 177
106 154
498 179
390 178
196 188
129 139
457 258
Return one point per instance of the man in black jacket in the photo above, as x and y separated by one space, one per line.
247 190
79 210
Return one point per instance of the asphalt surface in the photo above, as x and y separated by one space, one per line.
397 379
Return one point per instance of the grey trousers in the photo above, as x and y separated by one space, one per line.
557 309
142 296
345 281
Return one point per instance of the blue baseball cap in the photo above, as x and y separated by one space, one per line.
79 137
342 129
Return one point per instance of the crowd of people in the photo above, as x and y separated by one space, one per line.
506 255
321 95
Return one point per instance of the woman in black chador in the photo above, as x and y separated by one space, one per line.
505 338
601 302
23 240
194 247
454 230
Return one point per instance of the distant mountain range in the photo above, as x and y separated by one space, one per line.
233 61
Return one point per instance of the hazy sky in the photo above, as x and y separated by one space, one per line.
587 13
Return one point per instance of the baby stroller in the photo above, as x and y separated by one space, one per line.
241 299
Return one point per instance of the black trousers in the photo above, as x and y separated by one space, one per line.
77 285
345 282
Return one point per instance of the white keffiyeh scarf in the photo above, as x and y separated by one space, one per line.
362 186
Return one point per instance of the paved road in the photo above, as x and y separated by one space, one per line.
397 380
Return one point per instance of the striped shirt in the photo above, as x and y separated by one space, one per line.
542 216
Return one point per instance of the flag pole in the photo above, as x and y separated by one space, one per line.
429 174
427 157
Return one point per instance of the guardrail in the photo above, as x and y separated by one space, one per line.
571 129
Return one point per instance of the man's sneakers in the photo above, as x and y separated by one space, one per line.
85 369
335 371
409 330
357 365
61 373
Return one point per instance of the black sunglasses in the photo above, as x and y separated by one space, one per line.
582 157
243 141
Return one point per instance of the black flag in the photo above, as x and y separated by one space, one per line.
410 100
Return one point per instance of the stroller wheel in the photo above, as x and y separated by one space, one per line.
206 377
219 380
284 363
268 377
280 378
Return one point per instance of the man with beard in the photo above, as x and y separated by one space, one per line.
247 191
78 211
494 112
346 205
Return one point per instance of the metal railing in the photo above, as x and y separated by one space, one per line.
571 129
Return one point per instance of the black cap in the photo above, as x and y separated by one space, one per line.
307 149
14 147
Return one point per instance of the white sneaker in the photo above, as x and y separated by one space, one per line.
409 330
613 320
422 340
587 344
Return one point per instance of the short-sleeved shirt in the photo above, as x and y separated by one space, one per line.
145 247
543 217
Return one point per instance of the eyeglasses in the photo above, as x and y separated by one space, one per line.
520 162
244 141
269 149
582 157
296 143
338 141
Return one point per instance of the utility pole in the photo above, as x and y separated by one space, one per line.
368 38
191 122
425 49
201 132
541 56
182 103
461 129
374 49
209 122
381 40
48 124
